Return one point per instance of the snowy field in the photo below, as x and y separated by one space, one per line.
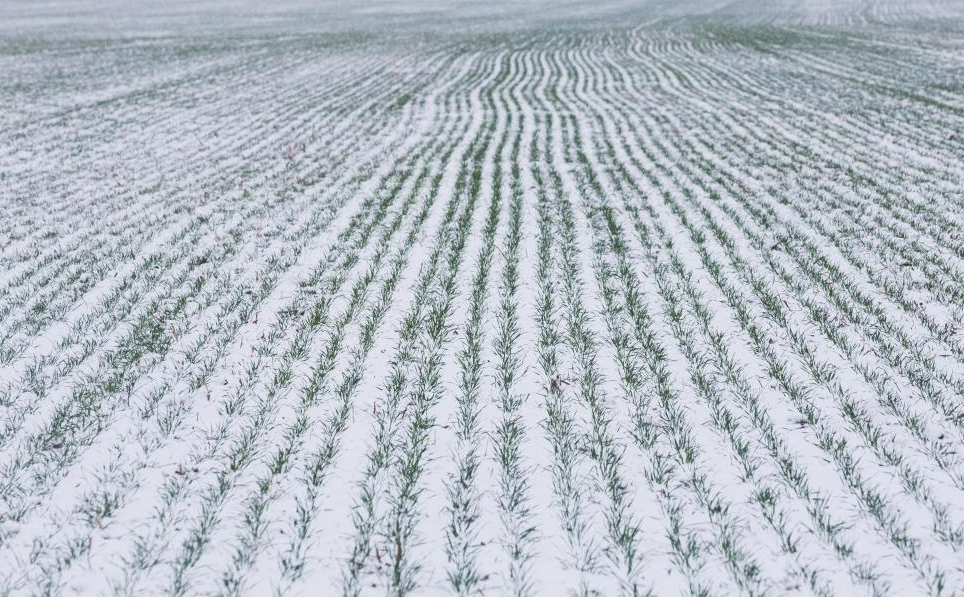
439 297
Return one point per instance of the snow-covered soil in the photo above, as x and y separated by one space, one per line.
460 298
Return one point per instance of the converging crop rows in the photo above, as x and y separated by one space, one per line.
522 299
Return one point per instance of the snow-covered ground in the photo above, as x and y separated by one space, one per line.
482 298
